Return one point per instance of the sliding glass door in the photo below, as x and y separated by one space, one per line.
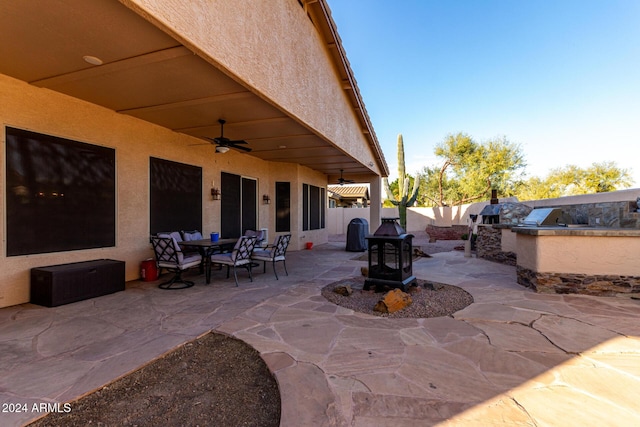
239 205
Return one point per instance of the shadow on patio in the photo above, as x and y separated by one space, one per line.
512 357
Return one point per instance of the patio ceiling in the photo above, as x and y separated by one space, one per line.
150 75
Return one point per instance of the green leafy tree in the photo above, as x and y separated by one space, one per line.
402 198
604 177
393 186
536 188
572 180
470 170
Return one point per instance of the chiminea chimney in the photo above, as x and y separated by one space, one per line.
494 197
389 227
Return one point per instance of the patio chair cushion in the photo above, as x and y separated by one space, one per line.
175 234
240 255
185 262
224 258
266 255
191 235
228 258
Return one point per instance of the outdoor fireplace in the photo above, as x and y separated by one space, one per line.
491 213
390 257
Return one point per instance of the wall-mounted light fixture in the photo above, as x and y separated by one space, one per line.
266 199
215 193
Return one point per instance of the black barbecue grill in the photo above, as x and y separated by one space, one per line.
543 217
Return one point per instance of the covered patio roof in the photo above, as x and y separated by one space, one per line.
149 74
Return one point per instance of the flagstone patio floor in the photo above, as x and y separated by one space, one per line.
512 358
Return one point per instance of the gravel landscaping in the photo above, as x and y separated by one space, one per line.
430 299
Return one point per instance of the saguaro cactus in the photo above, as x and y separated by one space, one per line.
402 200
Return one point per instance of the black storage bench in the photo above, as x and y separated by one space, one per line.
66 283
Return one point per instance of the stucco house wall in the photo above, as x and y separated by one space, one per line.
41 110
588 255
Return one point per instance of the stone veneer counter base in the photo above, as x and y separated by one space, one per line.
567 283
580 260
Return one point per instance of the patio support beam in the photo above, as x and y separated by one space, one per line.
375 197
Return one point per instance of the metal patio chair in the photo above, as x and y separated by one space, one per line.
273 253
170 257
240 256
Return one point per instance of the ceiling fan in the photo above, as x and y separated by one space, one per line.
342 180
223 144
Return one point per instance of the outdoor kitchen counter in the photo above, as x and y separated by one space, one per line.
589 260
576 231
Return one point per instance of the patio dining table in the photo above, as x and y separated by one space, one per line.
206 247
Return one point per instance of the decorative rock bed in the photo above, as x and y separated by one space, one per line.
429 299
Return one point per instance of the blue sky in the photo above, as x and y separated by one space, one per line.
559 77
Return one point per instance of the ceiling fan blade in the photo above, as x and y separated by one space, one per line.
342 180
240 147
237 142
